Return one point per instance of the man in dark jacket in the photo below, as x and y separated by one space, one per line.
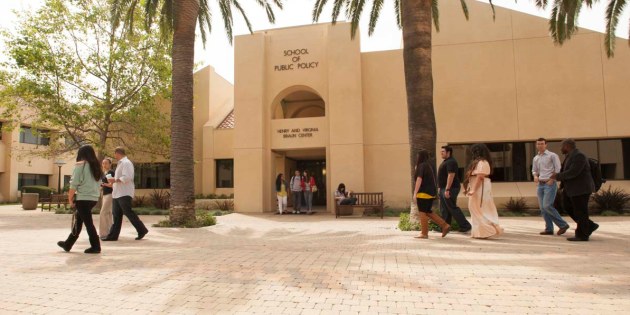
578 186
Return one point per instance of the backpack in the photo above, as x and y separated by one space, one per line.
596 173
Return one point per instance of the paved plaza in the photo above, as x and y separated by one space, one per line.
311 265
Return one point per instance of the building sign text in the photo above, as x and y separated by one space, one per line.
296 62
297 132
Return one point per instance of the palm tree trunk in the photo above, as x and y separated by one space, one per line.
416 27
182 162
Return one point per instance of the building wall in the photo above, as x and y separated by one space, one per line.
506 81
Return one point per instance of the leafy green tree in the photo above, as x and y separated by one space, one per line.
564 17
74 72
177 19
414 17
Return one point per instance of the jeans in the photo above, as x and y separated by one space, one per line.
84 216
308 198
282 203
577 208
122 206
297 200
546 197
449 210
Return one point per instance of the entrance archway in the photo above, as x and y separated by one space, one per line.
298 102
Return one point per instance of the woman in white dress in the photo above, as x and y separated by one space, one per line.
483 211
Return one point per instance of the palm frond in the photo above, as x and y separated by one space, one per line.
542 4
318 8
150 9
465 9
205 20
397 8
356 8
237 5
435 14
377 6
613 11
337 9
494 12
226 14
123 12
167 19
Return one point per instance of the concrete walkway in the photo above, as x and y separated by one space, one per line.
311 265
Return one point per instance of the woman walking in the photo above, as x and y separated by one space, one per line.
83 195
281 192
105 219
309 183
425 192
483 211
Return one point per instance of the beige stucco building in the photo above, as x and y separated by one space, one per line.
308 98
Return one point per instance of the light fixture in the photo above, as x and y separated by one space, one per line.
59 163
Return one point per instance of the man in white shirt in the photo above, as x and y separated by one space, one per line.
122 196
545 166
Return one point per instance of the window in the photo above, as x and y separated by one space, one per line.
225 173
34 136
152 175
512 161
32 180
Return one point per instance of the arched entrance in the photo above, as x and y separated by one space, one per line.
298 102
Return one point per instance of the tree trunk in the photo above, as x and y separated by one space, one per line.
182 161
416 27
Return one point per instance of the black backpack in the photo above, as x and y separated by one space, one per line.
596 173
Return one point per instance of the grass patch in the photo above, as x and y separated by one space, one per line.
202 218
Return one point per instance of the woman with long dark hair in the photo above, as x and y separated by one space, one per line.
84 185
425 192
483 211
281 192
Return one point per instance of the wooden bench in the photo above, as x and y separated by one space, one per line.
59 200
364 200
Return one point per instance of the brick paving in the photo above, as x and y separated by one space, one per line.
311 265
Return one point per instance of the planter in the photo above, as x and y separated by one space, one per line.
30 201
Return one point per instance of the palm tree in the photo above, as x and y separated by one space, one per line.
414 17
564 16
178 18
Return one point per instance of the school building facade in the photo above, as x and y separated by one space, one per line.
307 98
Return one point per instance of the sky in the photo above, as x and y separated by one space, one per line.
220 54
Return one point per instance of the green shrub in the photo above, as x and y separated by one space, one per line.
405 225
138 201
160 199
201 220
224 205
609 213
200 196
43 191
611 199
211 196
223 196
63 211
516 205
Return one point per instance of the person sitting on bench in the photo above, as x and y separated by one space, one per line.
343 197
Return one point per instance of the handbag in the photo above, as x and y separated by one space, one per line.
314 188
